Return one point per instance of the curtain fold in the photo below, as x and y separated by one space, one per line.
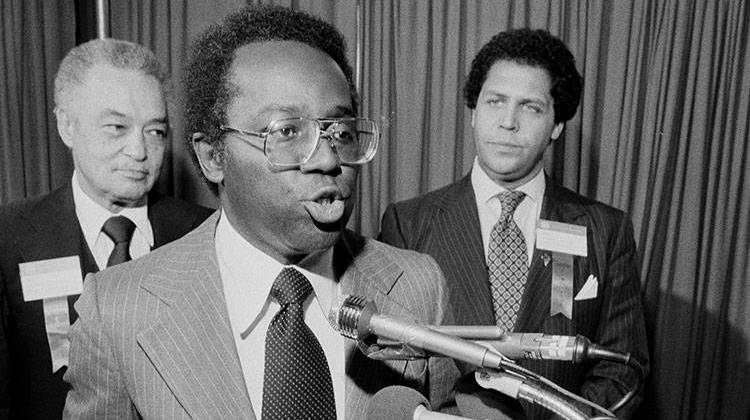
35 36
662 133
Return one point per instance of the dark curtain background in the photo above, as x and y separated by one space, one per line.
662 133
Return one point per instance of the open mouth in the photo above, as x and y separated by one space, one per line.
327 207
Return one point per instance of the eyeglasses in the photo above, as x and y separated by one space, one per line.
290 142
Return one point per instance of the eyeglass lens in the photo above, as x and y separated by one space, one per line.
293 140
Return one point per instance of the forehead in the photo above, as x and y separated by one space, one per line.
286 74
512 78
129 92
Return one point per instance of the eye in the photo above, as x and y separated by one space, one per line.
287 131
157 132
534 109
114 129
344 135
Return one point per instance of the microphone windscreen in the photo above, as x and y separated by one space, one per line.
395 403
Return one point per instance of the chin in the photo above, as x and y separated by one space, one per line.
317 241
133 196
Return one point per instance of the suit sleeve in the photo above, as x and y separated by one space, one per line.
622 326
390 231
97 387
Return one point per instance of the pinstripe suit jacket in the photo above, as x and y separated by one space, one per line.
154 338
37 229
445 224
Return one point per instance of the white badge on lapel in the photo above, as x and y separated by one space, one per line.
564 241
52 281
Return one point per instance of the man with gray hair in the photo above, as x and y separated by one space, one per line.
111 113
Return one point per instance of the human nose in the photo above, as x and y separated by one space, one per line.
508 119
135 145
324 158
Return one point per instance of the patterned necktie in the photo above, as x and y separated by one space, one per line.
507 262
296 380
120 230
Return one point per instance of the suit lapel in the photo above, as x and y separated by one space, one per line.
53 232
361 275
459 240
207 382
535 304
368 273
52 221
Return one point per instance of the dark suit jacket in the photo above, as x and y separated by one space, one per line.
38 229
445 224
154 338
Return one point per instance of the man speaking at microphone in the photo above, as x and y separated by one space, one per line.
230 321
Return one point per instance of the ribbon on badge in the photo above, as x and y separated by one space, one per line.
57 322
561 299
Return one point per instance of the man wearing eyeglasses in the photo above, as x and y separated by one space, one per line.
230 321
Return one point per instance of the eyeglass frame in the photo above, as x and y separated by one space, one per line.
320 134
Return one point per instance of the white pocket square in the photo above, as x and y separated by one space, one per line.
589 289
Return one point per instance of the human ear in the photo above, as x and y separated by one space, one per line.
557 130
65 126
211 161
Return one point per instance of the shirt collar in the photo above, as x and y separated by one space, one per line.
251 272
92 216
485 189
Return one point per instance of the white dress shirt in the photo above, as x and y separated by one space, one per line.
247 275
526 215
92 216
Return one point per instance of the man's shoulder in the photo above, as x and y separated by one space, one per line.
26 205
171 208
560 195
164 264
17 215
446 195
376 252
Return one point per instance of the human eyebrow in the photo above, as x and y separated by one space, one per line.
161 120
108 112
339 111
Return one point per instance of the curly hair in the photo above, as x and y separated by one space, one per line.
537 48
212 53
117 53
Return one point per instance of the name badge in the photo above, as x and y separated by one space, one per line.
52 281
52 278
562 238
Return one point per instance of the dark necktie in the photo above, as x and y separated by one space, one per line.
296 380
120 230
507 262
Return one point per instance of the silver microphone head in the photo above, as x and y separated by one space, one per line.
346 315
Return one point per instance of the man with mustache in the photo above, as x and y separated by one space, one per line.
112 114
230 321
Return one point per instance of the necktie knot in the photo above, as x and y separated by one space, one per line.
290 286
119 229
509 200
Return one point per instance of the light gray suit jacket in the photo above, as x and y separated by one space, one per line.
154 339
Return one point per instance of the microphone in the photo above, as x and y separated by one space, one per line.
356 317
402 403
533 345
